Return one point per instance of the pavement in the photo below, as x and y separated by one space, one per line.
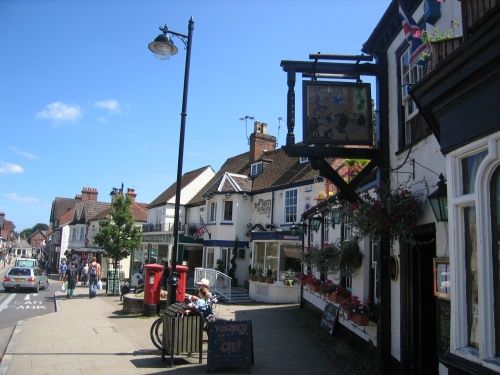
93 336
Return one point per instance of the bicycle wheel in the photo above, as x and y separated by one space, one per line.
156 333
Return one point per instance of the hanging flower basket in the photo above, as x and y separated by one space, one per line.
392 212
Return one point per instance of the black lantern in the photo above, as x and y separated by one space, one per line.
316 222
439 200
335 216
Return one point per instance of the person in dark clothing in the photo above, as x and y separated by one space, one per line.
71 277
166 274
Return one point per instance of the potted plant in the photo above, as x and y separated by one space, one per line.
314 285
339 295
356 311
269 276
260 275
253 274
327 288
289 278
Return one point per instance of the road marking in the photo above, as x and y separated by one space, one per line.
5 303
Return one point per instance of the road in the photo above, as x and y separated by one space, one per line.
22 305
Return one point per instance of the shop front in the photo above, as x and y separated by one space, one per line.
275 266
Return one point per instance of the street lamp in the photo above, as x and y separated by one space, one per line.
163 47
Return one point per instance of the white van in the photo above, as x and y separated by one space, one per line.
25 262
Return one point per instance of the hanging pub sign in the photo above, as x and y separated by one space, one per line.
337 113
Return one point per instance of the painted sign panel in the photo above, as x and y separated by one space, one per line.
337 113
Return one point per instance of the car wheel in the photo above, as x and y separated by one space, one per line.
7 289
37 288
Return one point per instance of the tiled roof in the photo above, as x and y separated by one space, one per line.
87 209
139 213
168 194
279 171
67 217
60 206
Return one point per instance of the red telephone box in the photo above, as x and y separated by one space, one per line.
152 288
181 286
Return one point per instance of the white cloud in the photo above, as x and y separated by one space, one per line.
20 199
8 168
27 155
111 105
59 111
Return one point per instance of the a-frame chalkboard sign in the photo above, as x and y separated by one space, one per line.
329 318
230 345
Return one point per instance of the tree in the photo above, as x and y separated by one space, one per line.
118 236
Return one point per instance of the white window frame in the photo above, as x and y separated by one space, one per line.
413 75
285 205
256 169
212 212
303 159
480 198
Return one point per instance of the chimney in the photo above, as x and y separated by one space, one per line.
89 194
131 194
260 141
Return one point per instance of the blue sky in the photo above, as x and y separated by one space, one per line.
83 103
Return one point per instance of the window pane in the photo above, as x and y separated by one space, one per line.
291 206
470 165
290 258
228 210
471 276
259 253
272 258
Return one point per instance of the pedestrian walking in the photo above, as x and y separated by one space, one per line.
85 274
63 267
94 277
71 277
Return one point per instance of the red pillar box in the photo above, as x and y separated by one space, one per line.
152 288
181 287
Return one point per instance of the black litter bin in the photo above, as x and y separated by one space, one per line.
181 333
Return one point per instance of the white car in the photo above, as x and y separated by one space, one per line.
25 277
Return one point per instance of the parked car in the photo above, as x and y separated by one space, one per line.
25 277
25 262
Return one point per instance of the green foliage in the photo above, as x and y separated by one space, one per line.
234 252
350 257
436 35
325 260
118 235
220 265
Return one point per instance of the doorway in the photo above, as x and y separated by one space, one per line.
418 304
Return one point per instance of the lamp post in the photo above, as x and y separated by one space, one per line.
163 47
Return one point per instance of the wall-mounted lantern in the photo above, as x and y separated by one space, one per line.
316 222
439 200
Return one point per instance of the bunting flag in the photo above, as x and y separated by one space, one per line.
412 34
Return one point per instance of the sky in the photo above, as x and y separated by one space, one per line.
84 103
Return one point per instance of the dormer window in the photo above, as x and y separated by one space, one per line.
256 169
303 159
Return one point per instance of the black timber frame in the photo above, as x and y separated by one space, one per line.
318 153
379 157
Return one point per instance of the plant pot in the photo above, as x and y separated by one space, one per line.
314 288
254 278
335 298
359 319
270 280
